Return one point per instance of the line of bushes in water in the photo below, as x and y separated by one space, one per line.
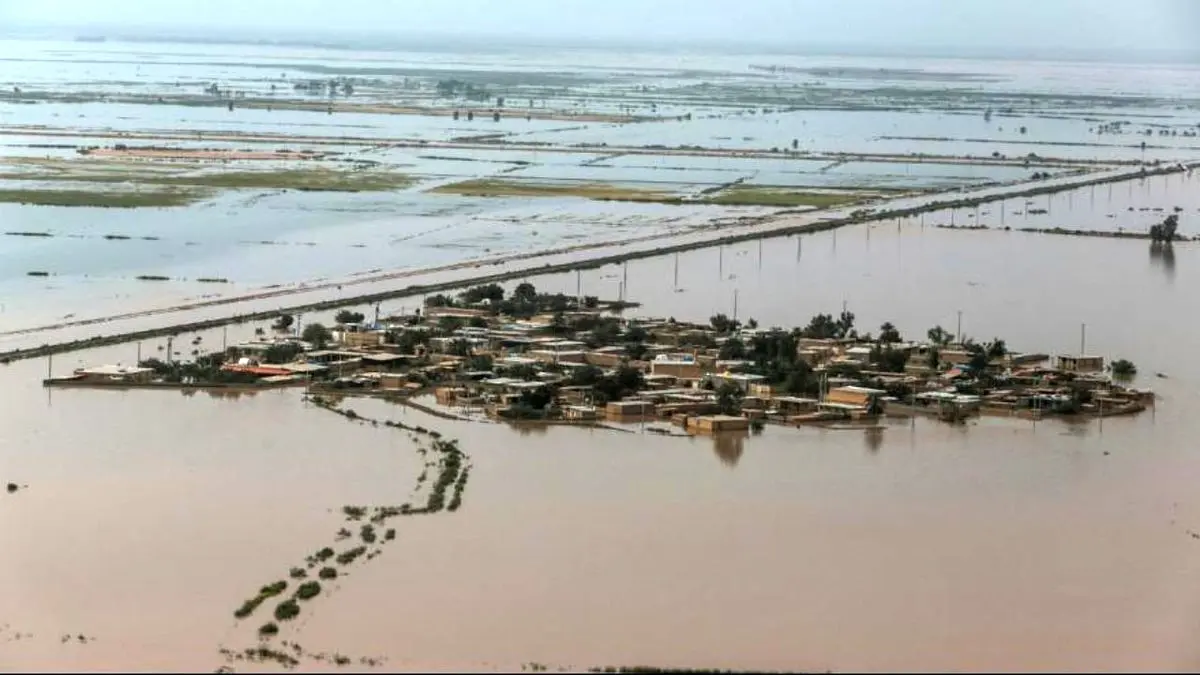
854 218
453 470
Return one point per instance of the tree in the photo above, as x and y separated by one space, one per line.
888 333
635 333
979 360
449 324
752 324
997 349
480 363
636 351
845 324
525 292
523 371
439 300
1164 231
935 358
317 335
723 324
558 324
606 332
585 376
940 336
821 327
888 359
729 398
477 322
460 347
281 352
1123 369
284 322
346 316
490 292
732 349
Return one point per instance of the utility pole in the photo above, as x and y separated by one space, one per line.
49 365
799 239
1082 339
170 349
958 331
735 303
139 353
676 282
224 339
721 261
578 288
625 275
760 254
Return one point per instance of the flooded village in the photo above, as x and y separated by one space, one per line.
443 359
549 357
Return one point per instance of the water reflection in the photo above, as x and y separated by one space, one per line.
873 438
729 446
1162 254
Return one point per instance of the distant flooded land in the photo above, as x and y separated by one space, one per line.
326 358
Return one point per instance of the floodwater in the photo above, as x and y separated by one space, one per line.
148 517
928 106
1004 545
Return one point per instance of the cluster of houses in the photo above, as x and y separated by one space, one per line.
495 364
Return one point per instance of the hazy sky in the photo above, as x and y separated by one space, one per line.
1074 24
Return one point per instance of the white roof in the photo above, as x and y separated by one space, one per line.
862 390
115 370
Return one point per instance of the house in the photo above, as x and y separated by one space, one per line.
629 408
858 397
1081 364
557 356
680 366
794 405
109 373
580 412
742 381
338 362
860 355
383 362
606 357
353 338
718 423
244 367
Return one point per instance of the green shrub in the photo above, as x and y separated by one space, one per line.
287 610
308 590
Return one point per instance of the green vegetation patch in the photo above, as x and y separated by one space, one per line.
315 179
769 195
492 187
102 198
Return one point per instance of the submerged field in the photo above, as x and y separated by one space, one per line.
139 177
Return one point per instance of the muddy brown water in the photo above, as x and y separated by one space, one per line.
1002 545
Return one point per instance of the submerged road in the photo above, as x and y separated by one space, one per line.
370 288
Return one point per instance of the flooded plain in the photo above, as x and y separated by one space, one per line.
1003 545
142 520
